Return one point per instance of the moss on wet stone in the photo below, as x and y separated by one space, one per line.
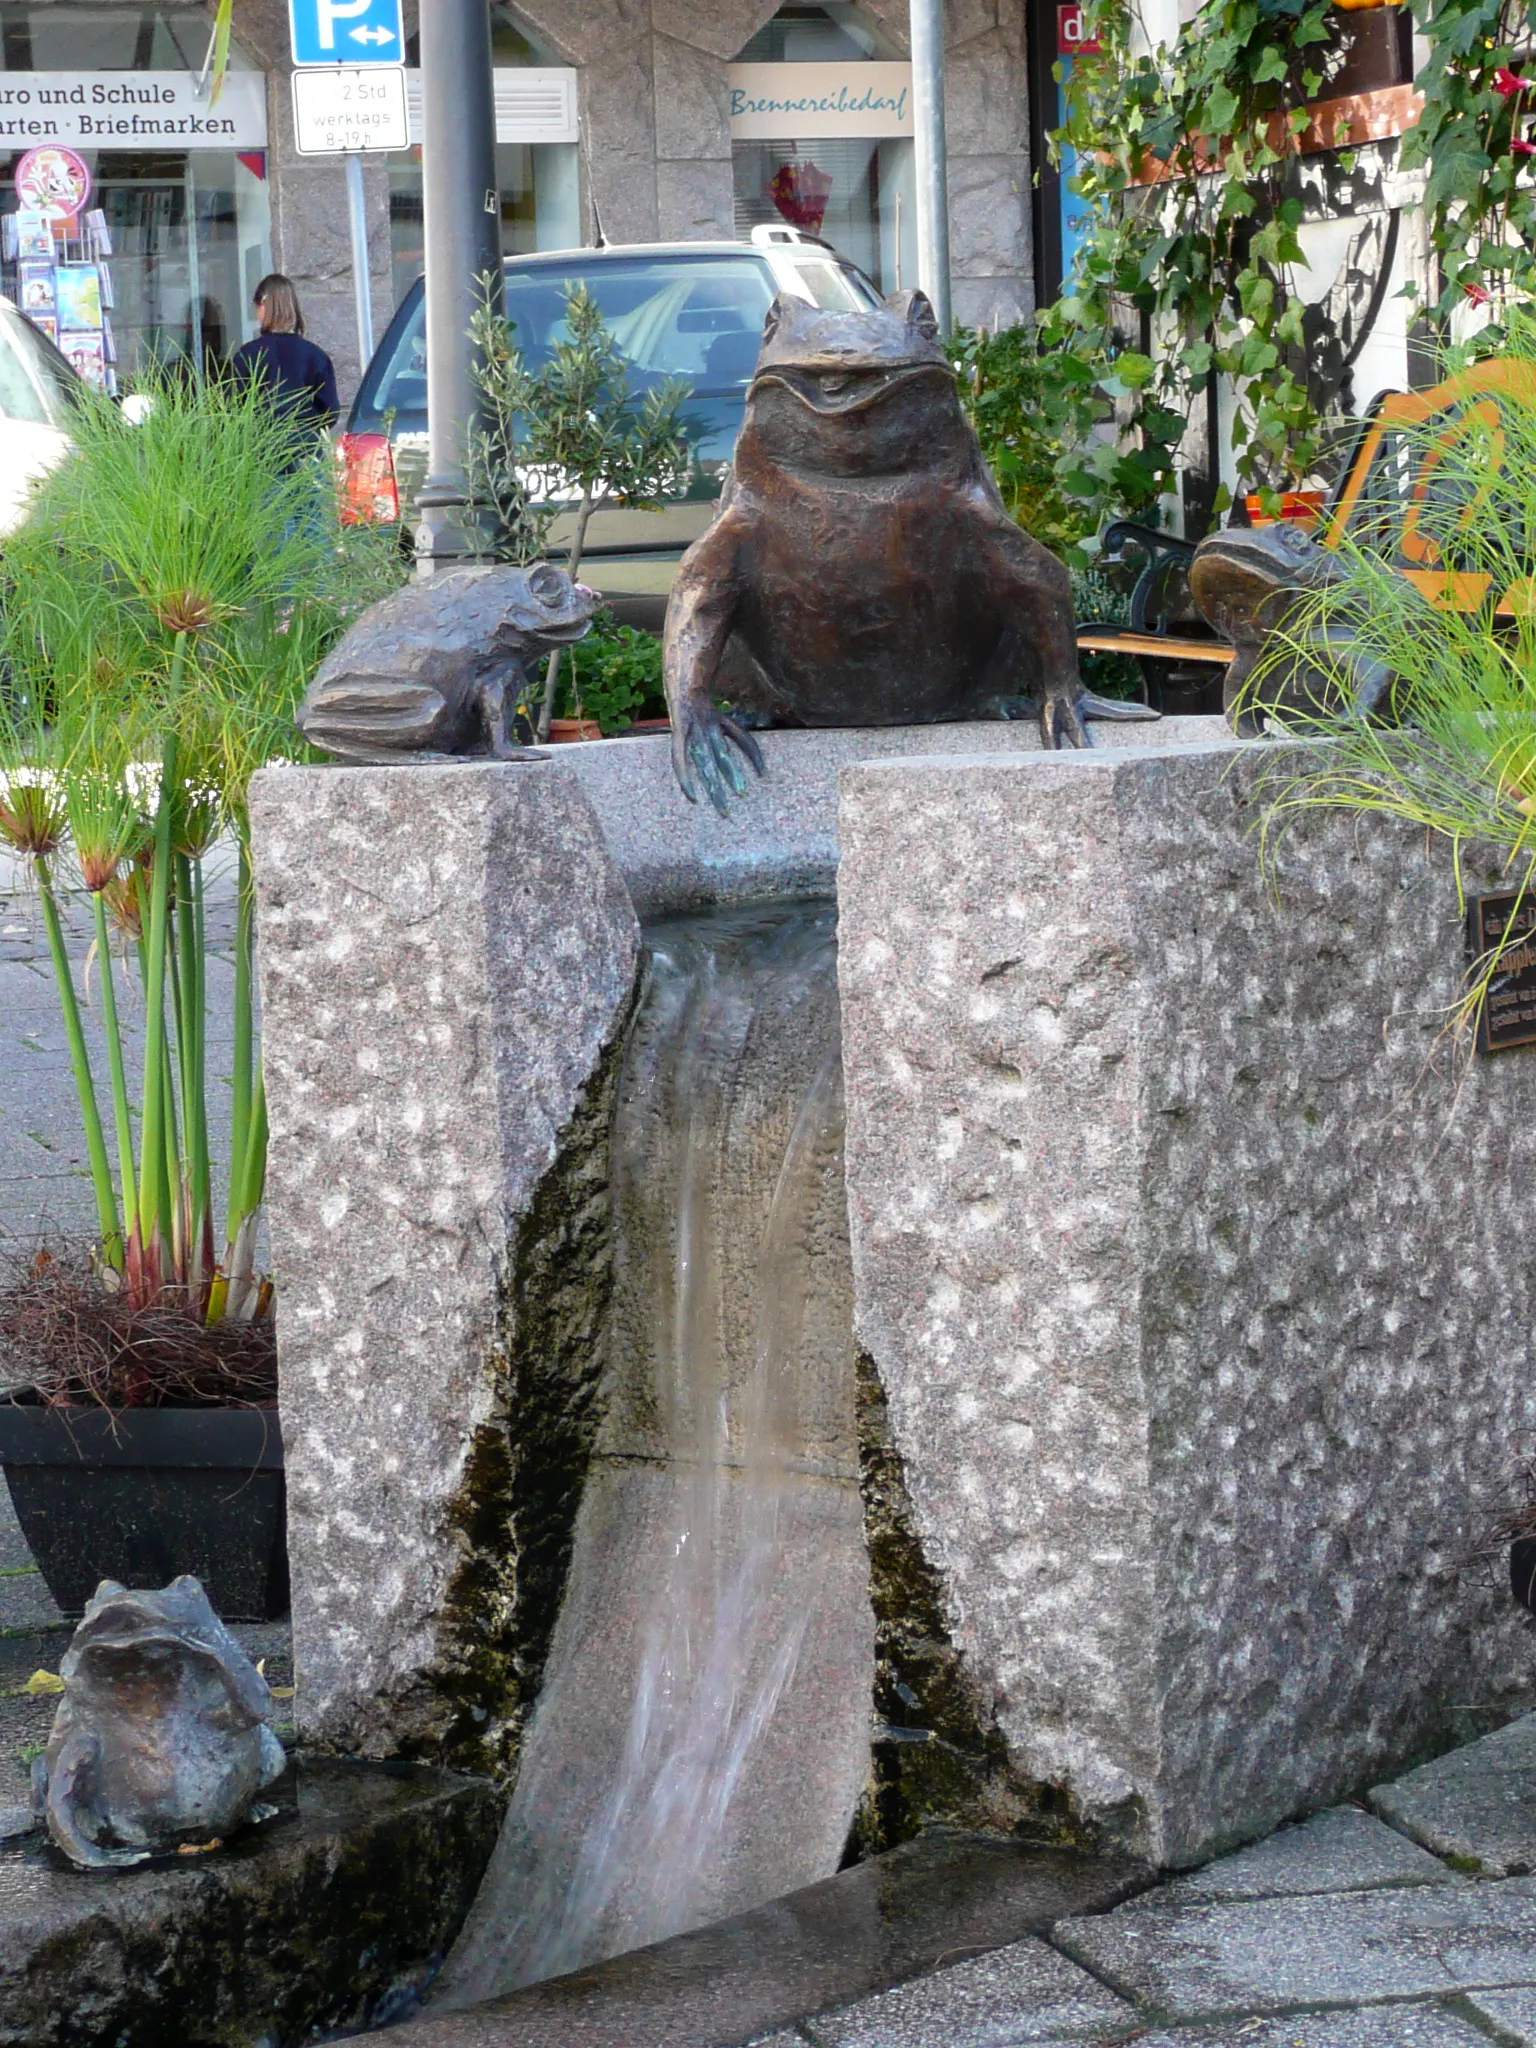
515 1510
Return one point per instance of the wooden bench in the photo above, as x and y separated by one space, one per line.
1376 500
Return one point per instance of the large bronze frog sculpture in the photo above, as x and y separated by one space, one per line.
862 570
161 1739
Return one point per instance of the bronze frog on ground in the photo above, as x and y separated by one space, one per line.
161 1739
430 672
862 570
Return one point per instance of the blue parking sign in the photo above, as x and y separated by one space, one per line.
346 31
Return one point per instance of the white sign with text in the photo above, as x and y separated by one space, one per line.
132 110
795 102
349 109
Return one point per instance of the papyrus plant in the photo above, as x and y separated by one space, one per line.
163 609
1438 596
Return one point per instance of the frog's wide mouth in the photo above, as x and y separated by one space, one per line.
831 388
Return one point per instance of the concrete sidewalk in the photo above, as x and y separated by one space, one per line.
1411 1925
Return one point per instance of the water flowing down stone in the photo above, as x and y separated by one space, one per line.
702 1736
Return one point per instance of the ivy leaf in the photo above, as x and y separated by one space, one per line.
1272 64
1133 370
1219 111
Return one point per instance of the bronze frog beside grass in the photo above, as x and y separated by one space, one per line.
862 569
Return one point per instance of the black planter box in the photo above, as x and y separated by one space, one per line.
143 1494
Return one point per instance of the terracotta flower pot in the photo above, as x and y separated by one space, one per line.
564 729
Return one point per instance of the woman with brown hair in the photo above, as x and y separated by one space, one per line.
298 375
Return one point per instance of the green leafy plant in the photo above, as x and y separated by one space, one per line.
1459 758
572 432
615 675
1475 139
1017 401
1181 155
164 606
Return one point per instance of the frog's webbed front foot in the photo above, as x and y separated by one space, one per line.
1063 719
702 742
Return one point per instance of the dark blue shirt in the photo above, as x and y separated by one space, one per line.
298 375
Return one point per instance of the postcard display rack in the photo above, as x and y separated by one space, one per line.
57 272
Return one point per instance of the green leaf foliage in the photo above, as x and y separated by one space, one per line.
1457 756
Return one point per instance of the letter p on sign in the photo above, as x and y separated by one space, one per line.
345 31
329 12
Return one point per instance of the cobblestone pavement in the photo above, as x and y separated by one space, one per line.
1407 1922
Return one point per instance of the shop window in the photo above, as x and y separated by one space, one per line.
188 231
61 37
857 192
539 182
831 34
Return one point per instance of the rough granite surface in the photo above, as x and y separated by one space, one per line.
1204 1962
444 954
1342 1850
1189 1257
781 839
1026 1992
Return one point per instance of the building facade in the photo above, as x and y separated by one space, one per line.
636 120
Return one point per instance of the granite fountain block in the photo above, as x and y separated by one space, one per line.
1196 1264
444 955
448 956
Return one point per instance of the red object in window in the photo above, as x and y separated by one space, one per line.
1072 37
369 492
801 192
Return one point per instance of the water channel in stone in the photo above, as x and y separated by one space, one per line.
702 1734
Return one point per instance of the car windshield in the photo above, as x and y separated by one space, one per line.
672 316
834 289
34 380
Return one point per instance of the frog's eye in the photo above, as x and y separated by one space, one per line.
547 583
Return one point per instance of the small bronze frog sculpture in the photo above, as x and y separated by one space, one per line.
161 1738
430 672
1250 583
862 570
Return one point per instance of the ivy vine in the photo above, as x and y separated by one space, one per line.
1182 157
1184 165
1475 140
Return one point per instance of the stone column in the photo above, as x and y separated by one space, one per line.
445 954
1195 1264
986 113
610 40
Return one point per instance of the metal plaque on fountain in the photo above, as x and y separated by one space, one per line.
1507 1013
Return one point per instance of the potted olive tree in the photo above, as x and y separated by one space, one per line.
162 610
570 435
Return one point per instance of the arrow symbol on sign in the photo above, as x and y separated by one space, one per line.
372 35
